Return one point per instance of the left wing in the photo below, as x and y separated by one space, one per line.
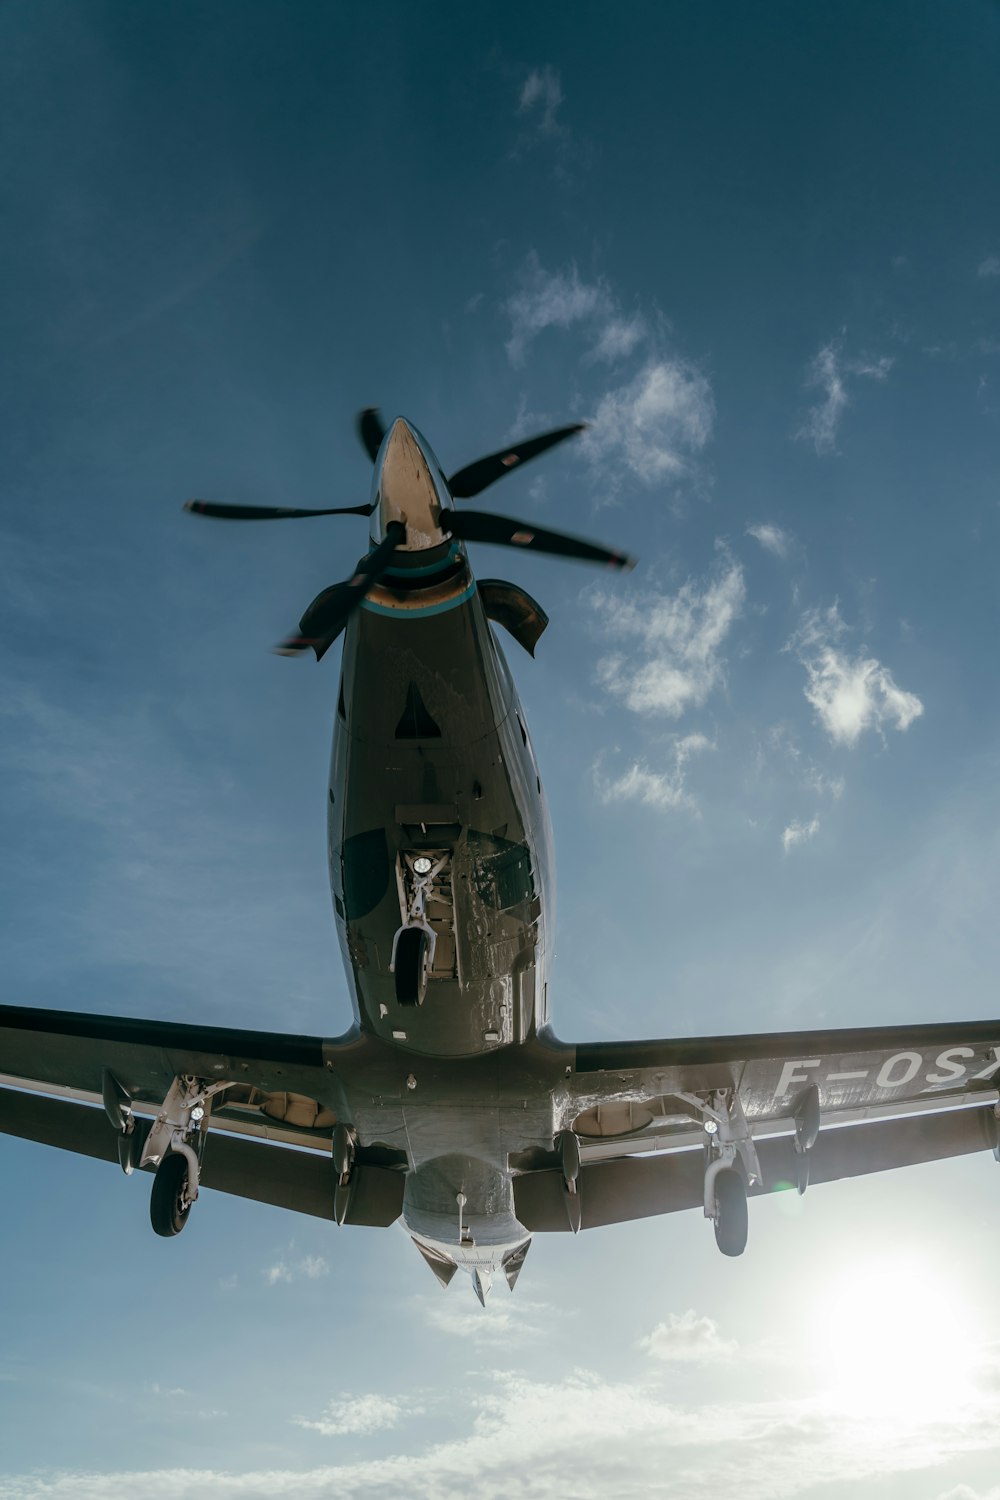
666 1125
101 1085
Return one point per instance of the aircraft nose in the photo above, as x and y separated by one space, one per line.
408 488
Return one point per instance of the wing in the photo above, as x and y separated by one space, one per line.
272 1103
655 1121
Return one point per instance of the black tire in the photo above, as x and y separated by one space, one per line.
410 966
731 1222
168 1208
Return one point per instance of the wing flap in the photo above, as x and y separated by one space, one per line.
640 1187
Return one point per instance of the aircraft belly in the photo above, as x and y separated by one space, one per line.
434 761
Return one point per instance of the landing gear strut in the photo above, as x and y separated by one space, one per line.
731 1165
175 1145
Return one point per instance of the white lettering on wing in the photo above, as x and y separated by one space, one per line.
842 1077
911 1062
791 1074
990 1067
953 1069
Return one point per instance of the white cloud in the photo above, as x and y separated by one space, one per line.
688 1339
654 423
799 833
849 694
348 1414
499 1322
990 266
541 95
552 299
676 657
829 371
309 1266
619 336
771 538
660 789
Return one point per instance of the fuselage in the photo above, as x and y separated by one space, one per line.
433 770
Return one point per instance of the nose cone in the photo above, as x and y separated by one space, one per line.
408 487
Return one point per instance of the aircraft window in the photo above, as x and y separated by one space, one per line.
365 862
342 711
524 732
416 723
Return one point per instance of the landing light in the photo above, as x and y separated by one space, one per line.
422 865
711 1127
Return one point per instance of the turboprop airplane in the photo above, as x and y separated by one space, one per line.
450 1104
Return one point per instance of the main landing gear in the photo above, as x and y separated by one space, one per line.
174 1144
731 1165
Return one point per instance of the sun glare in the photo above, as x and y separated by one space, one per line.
897 1342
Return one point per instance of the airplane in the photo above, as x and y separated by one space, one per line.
450 1104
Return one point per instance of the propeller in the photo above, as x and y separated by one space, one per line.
267 512
371 430
504 531
330 611
474 478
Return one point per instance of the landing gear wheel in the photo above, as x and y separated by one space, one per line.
730 1212
168 1204
411 966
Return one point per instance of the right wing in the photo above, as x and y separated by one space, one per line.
879 1098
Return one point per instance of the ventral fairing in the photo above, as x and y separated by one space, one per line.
450 1104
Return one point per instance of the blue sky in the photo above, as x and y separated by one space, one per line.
758 249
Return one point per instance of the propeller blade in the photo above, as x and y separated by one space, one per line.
371 430
330 611
474 478
267 512
503 531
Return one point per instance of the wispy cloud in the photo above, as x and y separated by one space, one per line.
849 693
829 371
799 833
655 423
311 1267
771 538
686 1338
351 1415
673 658
989 267
540 97
664 789
500 1322
553 299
